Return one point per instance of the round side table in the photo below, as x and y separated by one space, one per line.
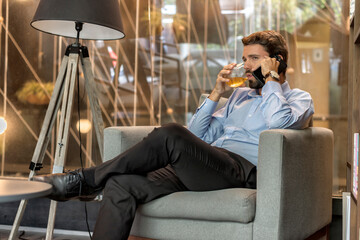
15 190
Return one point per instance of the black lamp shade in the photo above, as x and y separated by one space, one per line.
101 18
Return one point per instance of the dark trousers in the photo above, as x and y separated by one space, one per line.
169 159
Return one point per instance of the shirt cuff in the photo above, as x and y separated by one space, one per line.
208 106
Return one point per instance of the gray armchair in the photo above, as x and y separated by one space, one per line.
292 199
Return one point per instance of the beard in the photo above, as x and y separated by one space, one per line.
253 83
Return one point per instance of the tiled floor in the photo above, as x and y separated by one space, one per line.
39 234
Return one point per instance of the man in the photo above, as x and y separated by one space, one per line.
218 151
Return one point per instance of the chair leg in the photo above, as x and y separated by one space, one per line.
328 232
320 233
138 238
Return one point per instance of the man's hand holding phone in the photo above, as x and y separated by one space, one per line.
267 65
270 66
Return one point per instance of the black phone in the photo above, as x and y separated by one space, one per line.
258 74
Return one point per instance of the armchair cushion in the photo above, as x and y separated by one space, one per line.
232 205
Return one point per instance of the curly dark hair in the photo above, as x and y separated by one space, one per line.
273 42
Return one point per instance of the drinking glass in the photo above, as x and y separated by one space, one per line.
237 76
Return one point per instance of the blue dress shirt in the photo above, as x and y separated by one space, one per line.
238 124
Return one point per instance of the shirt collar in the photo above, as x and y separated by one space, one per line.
253 93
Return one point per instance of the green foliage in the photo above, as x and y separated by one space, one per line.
180 25
169 2
34 89
294 13
154 19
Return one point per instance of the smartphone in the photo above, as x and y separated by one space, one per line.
258 74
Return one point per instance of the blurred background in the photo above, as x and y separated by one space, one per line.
172 53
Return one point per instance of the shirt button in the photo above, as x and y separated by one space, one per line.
249 115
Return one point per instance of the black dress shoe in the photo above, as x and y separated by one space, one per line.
66 186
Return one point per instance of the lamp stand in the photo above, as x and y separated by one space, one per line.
64 90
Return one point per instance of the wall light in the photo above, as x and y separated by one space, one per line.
3 125
85 125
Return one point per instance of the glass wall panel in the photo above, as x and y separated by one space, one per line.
172 53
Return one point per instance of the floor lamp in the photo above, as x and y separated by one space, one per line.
85 19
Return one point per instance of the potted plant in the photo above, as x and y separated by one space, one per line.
155 20
35 93
180 26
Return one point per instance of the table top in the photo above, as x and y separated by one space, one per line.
15 190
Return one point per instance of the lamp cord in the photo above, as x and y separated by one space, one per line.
81 160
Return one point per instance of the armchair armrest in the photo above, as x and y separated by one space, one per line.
294 186
119 139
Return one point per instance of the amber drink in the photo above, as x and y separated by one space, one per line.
237 76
